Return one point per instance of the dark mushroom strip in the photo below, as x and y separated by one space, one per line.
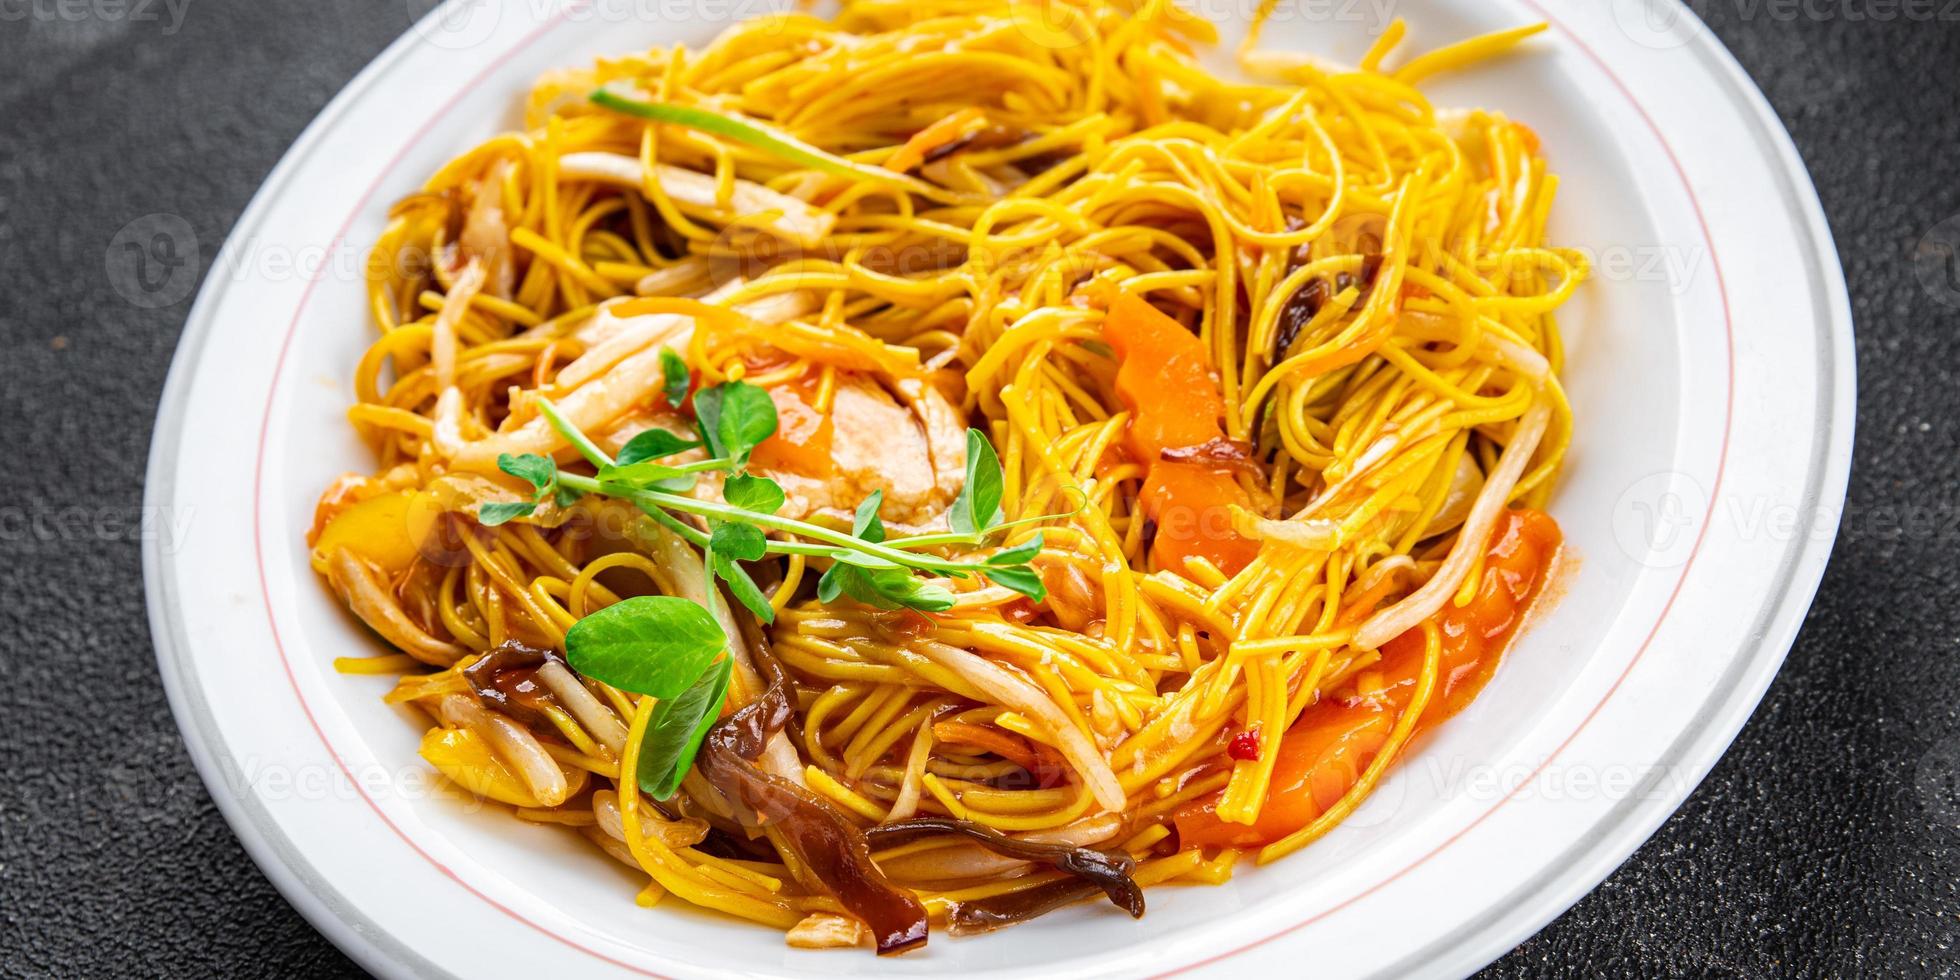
1107 870
825 842
1227 453
1294 316
987 914
1302 305
774 675
505 680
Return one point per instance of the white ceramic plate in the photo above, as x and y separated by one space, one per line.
1710 371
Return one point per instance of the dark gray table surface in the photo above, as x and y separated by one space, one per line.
1826 842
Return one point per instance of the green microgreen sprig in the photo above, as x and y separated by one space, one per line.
673 649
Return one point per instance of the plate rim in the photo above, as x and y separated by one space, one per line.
1628 823
1527 909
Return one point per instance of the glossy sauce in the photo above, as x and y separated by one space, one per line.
802 443
1325 752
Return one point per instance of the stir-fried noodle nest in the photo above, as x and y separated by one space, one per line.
1366 279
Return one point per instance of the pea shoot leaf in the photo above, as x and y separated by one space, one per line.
1020 554
493 514
756 493
865 525
742 541
1021 579
652 444
734 417
653 645
977 508
674 733
538 471
649 475
744 589
882 588
674 377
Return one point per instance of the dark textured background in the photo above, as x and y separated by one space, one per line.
1827 842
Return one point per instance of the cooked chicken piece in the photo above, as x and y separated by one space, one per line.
906 441
486 234
605 396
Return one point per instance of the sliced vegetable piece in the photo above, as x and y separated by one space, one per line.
824 840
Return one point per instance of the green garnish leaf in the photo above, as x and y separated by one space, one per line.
735 417
831 585
1021 579
566 496
674 377
865 524
1020 554
977 508
652 444
657 650
744 589
756 493
538 471
882 588
742 541
646 473
679 724
493 514
654 645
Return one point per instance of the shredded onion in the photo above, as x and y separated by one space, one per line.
684 278
517 747
822 930
794 219
685 832
486 232
615 847
1310 533
617 338
1018 694
1464 486
598 719
1423 603
442 338
368 596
